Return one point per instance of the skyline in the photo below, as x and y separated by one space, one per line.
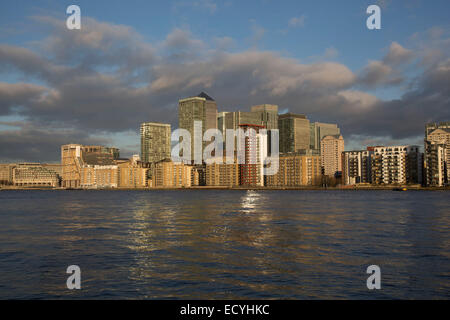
96 85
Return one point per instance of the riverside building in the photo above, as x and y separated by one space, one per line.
397 165
155 141
357 167
437 154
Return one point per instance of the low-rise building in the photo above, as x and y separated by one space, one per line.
169 174
34 175
6 174
223 174
297 169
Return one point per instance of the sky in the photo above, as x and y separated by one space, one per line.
133 60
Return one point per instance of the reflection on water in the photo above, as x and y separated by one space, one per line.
224 244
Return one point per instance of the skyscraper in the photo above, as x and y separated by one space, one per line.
294 132
330 154
155 141
268 114
201 108
319 130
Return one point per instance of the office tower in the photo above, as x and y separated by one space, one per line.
330 152
437 154
397 165
319 130
169 174
201 108
268 114
357 167
294 132
221 122
233 120
155 142
251 172
75 157
297 169
33 175
222 174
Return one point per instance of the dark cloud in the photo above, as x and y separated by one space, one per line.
30 143
107 79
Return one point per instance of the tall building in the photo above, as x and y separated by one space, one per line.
251 172
201 108
319 130
294 132
297 169
397 165
233 120
357 167
437 154
268 114
155 142
221 122
331 152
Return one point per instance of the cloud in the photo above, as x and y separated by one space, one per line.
386 72
112 80
297 21
397 55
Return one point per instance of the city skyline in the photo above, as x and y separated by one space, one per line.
96 85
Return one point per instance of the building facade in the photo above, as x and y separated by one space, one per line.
357 167
155 141
133 173
296 170
75 156
200 108
31 175
222 174
437 154
397 165
331 152
268 114
6 174
294 132
169 174
251 171
319 130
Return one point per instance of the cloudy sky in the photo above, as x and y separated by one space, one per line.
132 60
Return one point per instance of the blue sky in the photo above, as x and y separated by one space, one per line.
308 32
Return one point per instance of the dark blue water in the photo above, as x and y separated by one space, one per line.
205 244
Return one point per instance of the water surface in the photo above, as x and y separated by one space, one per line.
208 244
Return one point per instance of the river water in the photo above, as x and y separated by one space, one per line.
231 244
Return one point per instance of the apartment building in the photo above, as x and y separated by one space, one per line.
169 174
331 153
437 154
223 174
155 141
357 167
397 165
297 169
31 175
